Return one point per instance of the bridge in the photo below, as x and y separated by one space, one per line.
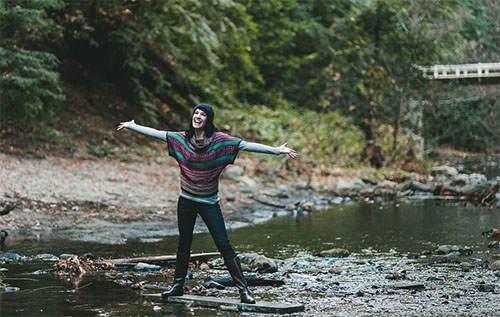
478 70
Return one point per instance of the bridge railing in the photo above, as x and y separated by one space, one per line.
461 71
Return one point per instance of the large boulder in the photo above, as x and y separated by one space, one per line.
444 170
344 186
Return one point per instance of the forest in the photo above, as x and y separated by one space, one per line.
271 69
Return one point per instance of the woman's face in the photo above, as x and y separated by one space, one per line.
199 119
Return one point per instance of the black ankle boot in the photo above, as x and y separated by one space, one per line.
234 268
181 267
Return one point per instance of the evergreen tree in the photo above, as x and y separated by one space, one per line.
29 80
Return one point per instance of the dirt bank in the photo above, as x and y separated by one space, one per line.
84 197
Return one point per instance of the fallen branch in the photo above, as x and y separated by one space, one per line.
163 259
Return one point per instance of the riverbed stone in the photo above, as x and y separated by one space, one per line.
458 250
444 170
336 270
145 267
204 267
421 187
450 258
66 256
10 289
233 172
344 186
460 180
494 244
10 256
264 264
248 181
336 252
495 265
47 257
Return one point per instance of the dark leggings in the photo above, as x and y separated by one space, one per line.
187 210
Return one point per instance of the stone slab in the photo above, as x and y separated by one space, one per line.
230 304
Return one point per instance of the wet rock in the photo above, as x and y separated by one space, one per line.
387 184
10 289
395 276
290 207
450 258
264 264
88 256
245 267
495 265
455 249
300 186
336 270
47 257
66 256
444 170
494 244
145 267
409 285
475 188
204 267
460 180
421 187
336 252
308 206
404 186
247 258
10 256
466 265
476 178
483 287
252 280
425 252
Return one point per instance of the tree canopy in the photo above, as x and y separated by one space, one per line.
355 58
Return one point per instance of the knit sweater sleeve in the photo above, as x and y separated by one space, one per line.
157 134
259 148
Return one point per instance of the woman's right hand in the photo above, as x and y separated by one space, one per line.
125 124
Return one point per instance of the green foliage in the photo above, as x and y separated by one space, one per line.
310 60
29 80
324 137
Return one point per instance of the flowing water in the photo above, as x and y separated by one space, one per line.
403 227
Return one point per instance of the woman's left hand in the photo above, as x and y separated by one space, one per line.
284 149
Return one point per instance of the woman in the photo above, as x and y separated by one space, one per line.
202 153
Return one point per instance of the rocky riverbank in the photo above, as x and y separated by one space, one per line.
110 201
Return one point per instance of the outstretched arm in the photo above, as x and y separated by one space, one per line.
158 134
261 148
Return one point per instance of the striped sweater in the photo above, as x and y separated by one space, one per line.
201 167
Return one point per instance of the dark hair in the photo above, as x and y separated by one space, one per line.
209 128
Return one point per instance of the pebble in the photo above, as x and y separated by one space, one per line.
335 270
336 252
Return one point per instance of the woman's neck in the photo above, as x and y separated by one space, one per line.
199 134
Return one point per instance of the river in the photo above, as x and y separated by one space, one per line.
387 233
